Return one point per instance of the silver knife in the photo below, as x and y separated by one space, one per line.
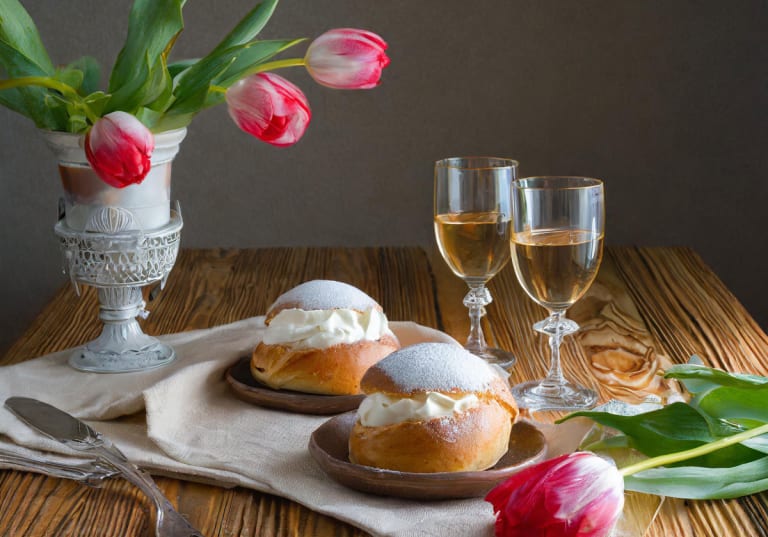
72 432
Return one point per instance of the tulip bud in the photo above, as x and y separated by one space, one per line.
574 495
270 108
347 58
119 148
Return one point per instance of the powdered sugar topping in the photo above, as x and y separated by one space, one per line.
437 367
326 295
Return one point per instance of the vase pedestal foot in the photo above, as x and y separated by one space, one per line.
157 355
122 347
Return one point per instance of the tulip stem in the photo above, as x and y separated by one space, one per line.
704 449
278 64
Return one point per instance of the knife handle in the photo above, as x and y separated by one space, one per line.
168 521
140 478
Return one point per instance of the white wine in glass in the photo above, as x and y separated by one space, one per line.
472 218
557 247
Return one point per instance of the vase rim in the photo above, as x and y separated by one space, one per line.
68 146
173 133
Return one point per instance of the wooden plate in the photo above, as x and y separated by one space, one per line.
329 446
249 389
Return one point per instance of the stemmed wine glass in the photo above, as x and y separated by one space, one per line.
557 246
472 215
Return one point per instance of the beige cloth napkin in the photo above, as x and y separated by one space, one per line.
196 428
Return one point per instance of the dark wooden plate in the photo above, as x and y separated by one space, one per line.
329 446
249 389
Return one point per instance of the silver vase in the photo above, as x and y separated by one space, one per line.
118 240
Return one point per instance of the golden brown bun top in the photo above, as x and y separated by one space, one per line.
322 295
437 367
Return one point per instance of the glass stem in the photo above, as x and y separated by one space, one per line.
476 300
555 375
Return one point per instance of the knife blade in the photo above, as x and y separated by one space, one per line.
54 423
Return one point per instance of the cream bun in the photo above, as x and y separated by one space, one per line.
432 407
321 337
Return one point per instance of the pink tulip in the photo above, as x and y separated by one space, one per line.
270 108
347 58
574 495
119 148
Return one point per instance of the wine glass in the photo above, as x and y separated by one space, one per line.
472 215
557 246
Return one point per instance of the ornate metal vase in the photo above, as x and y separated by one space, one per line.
118 240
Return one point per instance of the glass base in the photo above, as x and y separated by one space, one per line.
492 355
538 395
108 361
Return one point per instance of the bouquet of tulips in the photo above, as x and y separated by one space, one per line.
149 93
713 447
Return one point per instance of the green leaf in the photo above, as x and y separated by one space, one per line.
18 31
149 117
91 74
136 78
698 483
248 27
70 76
676 427
745 406
698 378
30 101
173 121
759 443
194 84
177 67
254 54
77 123
221 69
96 101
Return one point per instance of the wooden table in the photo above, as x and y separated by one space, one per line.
648 307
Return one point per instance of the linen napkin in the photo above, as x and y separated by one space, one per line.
192 426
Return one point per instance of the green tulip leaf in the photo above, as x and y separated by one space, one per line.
167 122
96 101
139 76
30 101
249 27
252 56
70 76
177 67
18 31
759 444
746 406
698 378
91 74
222 69
77 123
699 483
676 427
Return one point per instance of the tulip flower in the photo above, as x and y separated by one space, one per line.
346 58
270 108
574 495
119 148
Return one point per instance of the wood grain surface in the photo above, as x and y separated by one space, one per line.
649 307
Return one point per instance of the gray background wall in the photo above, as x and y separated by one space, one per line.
666 100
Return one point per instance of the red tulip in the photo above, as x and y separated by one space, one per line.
119 148
270 108
347 58
574 495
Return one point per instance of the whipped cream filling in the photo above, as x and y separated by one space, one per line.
320 329
379 409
